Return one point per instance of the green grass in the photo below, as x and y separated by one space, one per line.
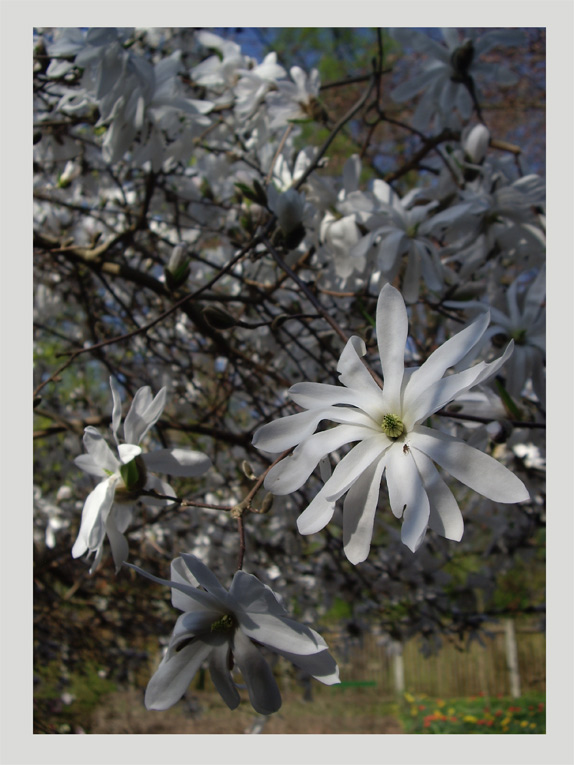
475 714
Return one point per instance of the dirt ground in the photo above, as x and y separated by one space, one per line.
344 712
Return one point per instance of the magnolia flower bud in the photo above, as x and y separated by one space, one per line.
177 269
71 171
218 318
476 143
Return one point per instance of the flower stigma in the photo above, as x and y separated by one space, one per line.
392 426
223 624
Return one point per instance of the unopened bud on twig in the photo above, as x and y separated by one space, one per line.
218 318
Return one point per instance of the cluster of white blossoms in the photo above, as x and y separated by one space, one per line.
198 147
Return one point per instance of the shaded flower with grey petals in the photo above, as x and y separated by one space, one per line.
227 628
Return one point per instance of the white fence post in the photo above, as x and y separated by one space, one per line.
398 668
512 658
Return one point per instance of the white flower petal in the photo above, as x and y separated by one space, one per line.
118 542
116 408
128 452
87 463
445 356
198 596
354 463
359 512
99 451
174 675
445 517
196 623
143 414
254 596
94 514
392 331
279 633
288 431
322 666
177 462
392 246
470 466
316 515
407 496
355 375
440 393
317 395
292 472
261 685
412 278
206 578
219 663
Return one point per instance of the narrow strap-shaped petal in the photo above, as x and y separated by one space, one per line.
512 303
219 664
470 466
359 512
116 408
444 357
174 674
118 542
254 596
99 451
535 297
316 515
280 633
282 434
263 692
311 395
322 666
412 277
392 331
87 463
354 463
128 452
206 577
177 462
180 573
407 496
443 391
392 245
354 374
196 623
204 598
94 514
445 517
292 472
143 414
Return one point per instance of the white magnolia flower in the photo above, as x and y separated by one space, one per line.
387 424
524 322
108 508
288 206
400 227
296 100
227 628
450 69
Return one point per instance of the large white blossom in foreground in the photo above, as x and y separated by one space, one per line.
109 507
387 424
227 628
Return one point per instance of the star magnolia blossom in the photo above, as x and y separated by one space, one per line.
227 628
391 439
108 509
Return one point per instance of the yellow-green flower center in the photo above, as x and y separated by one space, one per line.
223 624
392 426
